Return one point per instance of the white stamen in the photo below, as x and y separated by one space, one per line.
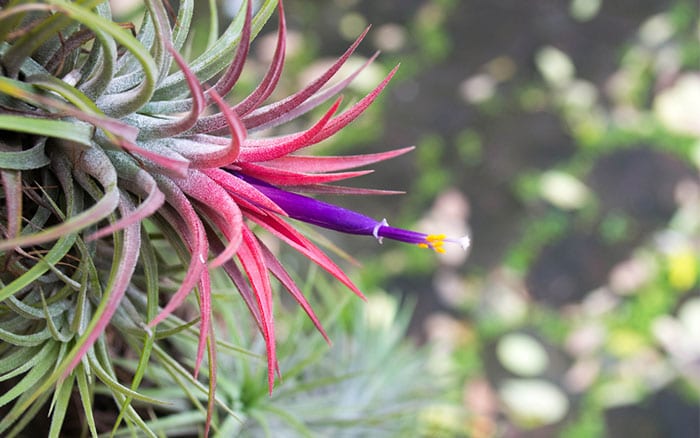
464 242
375 231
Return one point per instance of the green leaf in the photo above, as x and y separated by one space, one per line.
215 59
180 423
213 31
37 35
130 101
12 22
55 255
32 158
143 364
118 388
150 267
68 92
86 396
32 311
59 406
182 23
38 356
25 416
290 419
102 358
36 374
74 131
82 108
16 358
94 162
55 332
175 369
100 64
30 340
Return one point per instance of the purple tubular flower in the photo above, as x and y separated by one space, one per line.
336 218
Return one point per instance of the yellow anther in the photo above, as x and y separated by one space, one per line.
435 237
436 242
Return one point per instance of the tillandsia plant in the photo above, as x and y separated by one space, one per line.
112 146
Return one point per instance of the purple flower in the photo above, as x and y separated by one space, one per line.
336 218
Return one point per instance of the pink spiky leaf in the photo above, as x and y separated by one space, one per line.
315 100
211 396
327 189
296 240
238 133
342 120
205 190
205 319
154 200
261 92
250 256
282 275
322 164
283 178
164 158
272 76
226 82
190 228
174 127
273 148
243 286
242 192
274 110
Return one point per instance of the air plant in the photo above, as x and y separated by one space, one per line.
370 382
114 147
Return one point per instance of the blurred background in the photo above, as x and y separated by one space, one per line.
564 135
